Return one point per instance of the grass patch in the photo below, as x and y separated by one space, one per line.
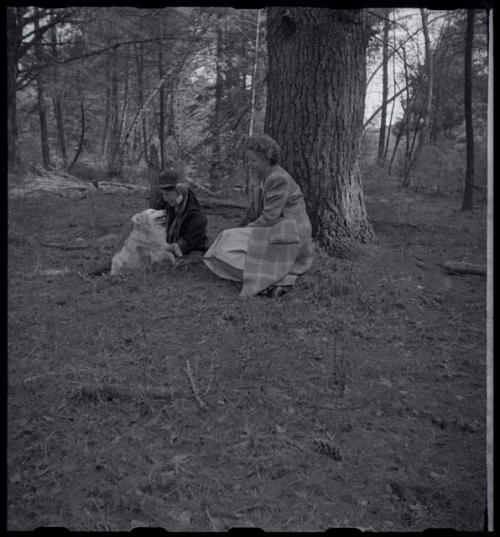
355 400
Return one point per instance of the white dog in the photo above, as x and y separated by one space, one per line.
147 239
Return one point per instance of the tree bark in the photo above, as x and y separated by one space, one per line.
385 89
468 201
41 101
314 110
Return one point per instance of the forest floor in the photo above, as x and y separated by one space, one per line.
356 400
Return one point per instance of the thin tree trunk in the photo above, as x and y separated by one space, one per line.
153 176
114 141
161 96
82 137
216 150
468 201
394 85
396 144
441 66
254 86
385 90
139 54
254 75
141 112
427 107
107 112
145 139
13 39
411 156
124 148
405 123
41 101
171 111
408 114
314 110
58 104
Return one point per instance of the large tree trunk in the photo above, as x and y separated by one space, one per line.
469 131
385 89
315 108
41 101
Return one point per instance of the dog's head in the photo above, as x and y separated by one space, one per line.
148 219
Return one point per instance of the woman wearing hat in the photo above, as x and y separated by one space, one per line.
275 246
186 222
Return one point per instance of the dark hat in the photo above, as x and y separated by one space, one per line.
168 180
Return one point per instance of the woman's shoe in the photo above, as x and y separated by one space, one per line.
279 290
100 271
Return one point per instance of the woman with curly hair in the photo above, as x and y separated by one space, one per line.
275 244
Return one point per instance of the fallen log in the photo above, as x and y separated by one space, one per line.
108 392
457 267
109 187
213 203
82 246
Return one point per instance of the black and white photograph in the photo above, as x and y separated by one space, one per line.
249 268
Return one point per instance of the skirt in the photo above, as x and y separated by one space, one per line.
226 256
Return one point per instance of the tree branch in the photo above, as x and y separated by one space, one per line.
368 121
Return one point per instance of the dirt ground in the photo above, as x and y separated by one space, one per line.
356 400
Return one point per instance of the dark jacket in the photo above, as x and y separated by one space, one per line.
192 233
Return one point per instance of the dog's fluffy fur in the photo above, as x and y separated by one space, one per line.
147 239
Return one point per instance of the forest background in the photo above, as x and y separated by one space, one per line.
111 91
